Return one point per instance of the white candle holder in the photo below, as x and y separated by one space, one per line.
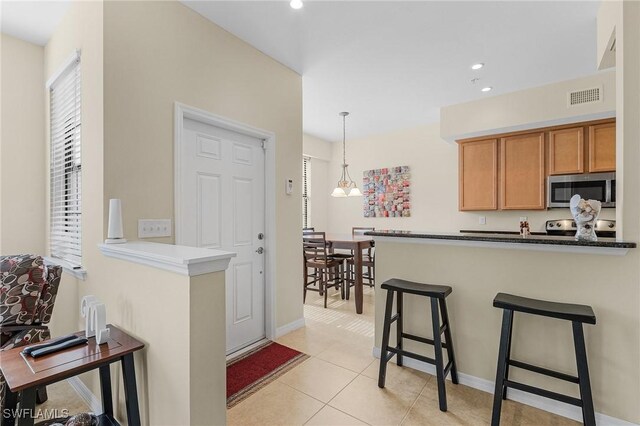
585 213
115 234
95 314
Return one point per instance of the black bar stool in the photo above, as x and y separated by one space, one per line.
437 294
577 314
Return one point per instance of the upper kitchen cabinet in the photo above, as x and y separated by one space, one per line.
522 172
566 151
478 175
602 147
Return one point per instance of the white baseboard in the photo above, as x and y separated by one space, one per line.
94 403
555 407
288 328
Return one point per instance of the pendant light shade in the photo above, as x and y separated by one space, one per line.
355 192
346 186
338 192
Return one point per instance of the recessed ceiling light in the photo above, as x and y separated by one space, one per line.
477 66
486 89
296 4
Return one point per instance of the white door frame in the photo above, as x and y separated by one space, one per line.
181 112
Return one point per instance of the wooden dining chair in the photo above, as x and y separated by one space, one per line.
368 263
318 258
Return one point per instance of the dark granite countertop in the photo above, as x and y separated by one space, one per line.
505 238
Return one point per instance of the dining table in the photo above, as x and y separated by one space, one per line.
355 243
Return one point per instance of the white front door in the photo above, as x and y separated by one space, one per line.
222 207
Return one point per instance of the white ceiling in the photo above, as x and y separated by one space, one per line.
32 21
393 64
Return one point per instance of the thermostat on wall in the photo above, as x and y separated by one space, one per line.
288 189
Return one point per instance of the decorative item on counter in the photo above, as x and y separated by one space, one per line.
95 315
115 234
387 192
585 213
525 231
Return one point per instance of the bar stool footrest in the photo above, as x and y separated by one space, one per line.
545 371
414 356
421 339
543 392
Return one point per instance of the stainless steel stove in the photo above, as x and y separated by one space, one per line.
604 228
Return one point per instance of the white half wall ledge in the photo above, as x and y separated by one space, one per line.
183 260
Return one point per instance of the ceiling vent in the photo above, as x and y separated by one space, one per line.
586 96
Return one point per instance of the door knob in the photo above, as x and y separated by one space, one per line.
260 250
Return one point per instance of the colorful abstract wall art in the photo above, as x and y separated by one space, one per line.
387 192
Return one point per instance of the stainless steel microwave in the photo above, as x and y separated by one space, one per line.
590 186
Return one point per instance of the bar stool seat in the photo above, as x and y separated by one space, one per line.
437 295
428 290
565 311
578 315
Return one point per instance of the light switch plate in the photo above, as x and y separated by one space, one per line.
152 228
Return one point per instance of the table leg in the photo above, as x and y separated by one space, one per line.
105 388
27 407
130 390
9 409
357 264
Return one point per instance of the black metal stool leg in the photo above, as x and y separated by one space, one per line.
384 358
437 348
399 331
588 414
130 390
8 412
105 389
507 323
449 340
27 413
506 372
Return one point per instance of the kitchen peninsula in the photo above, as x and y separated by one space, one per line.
478 266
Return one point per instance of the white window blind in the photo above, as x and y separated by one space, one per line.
306 175
65 240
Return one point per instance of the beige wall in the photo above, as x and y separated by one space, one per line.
22 148
138 58
610 284
537 107
320 152
157 53
434 186
81 29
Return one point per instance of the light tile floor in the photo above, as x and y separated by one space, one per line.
337 385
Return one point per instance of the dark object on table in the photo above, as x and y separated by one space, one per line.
29 349
33 286
60 346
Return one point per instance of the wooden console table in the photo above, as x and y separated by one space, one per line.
24 375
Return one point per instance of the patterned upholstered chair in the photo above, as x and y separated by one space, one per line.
28 290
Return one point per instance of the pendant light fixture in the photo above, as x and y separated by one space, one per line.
346 186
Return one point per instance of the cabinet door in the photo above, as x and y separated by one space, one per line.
478 175
522 172
602 148
566 148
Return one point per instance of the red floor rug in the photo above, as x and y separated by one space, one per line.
257 368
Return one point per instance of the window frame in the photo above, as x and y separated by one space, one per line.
65 166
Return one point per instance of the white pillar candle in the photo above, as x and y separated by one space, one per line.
115 233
